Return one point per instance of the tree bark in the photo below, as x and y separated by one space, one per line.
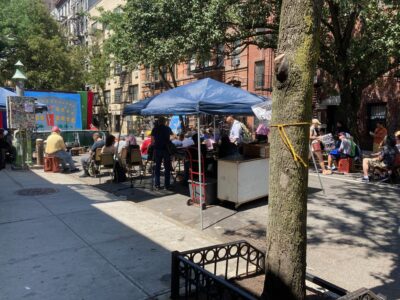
287 208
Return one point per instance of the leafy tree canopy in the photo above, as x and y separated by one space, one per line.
360 42
28 33
166 32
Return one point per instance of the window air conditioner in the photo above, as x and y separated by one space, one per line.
235 62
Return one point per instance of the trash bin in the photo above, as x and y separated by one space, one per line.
210 189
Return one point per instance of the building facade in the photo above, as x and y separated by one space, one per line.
250 68
122 87
50 4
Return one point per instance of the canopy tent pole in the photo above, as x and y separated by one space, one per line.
115 158
214 128
200 177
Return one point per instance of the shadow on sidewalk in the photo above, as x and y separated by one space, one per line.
79 242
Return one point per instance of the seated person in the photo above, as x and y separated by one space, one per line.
226 148
11 151
144 148
262 132
187 141
397 135
121 144
385 159
109 145
4 148
131 140
177 140
98 143
55 146
209 140
343 151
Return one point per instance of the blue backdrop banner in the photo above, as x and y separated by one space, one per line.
63 110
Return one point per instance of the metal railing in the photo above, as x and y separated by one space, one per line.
210 272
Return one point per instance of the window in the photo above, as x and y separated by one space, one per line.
220 56
117 95
117 123
107 97
236 54
147 73
376 112
155 74
117 69
96 99
191 66
133 93
259 74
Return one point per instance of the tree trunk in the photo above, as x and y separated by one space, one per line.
349 107
287 208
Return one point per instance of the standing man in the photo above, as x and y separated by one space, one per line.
236 132
98 143
55 146
160 137
379 134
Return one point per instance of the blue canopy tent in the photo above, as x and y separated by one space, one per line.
206 96
4 93
136 108
202 96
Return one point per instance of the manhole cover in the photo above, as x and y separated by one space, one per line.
36 191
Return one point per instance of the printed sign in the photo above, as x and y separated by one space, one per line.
328 142
263 111
21 112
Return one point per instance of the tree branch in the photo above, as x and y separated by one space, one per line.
172 76
351 22
164 79
334 14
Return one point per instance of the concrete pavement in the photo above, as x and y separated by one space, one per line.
78 242
81 243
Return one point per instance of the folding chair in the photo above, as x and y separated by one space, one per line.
134 159
103 161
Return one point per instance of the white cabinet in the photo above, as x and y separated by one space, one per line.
240 181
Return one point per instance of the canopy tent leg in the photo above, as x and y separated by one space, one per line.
214 129
200 175
120 123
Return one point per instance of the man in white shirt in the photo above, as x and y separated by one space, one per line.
235 135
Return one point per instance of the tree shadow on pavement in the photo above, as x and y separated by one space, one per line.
363 221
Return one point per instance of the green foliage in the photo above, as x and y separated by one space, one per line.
360 42
99 64
28 33
162 33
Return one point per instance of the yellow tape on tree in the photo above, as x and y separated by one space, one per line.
286 140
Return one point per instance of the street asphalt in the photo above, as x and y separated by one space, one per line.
64 237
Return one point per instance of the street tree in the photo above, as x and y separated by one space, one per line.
360 42
295 64
97 73
31 35
163 33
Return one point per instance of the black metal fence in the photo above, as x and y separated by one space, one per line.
210 272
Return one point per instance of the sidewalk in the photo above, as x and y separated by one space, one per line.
83 243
